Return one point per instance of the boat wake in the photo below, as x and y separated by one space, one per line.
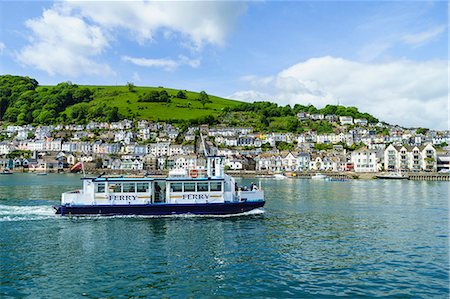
30 213
174 216
25 213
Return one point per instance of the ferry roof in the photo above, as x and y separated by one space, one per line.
149 179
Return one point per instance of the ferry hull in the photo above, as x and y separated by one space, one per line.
162 209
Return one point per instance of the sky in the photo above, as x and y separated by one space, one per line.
386 58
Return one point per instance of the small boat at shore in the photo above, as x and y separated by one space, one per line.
196 191
319 176
392 176
6 171
279 176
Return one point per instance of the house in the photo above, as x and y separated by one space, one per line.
159 149
316 163
268 162
231 141
289 162
317 116
6 163
246 141
410 158
365 160
303 160
302 116
234 164
346 120
175 149
185 161
150 162
6 148
131 164
332 118
361 121
189 137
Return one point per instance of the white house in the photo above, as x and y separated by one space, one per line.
365 160
410 158
346 120
361 121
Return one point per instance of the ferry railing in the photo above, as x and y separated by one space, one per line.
255 195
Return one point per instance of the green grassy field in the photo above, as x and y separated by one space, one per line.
177 109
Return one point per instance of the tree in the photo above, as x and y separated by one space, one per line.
131 87
181 95
421 131
113 114
204 98
164 96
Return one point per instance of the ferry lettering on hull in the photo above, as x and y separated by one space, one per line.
196 196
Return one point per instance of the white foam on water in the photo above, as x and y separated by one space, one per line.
97 217
29 213
25 213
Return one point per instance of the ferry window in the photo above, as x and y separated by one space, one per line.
115 187
176 187
142 187
216 186
202 187
128 187
189 187
100 188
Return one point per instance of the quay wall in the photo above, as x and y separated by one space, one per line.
414 176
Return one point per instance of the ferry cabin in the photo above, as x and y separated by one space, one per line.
107 191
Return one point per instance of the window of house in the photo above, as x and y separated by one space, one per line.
189 187
202 187
129 187
100 188
176 187
215 186
142 187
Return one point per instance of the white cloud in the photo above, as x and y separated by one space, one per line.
199 22
64 44
70 37
2 47
166 64
421 38
400 92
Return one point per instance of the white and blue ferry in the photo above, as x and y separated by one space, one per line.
196 191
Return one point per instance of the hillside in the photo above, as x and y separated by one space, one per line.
23 101
172 109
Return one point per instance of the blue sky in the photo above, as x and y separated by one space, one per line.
387 58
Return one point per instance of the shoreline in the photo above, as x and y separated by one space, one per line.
425 176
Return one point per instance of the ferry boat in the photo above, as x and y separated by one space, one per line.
196 191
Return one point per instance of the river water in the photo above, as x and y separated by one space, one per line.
313 239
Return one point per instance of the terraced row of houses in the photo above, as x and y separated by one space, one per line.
143 145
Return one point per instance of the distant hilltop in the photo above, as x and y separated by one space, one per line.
24 101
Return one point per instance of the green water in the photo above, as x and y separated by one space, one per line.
312 239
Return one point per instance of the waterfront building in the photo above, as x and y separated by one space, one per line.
409 158
365 160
